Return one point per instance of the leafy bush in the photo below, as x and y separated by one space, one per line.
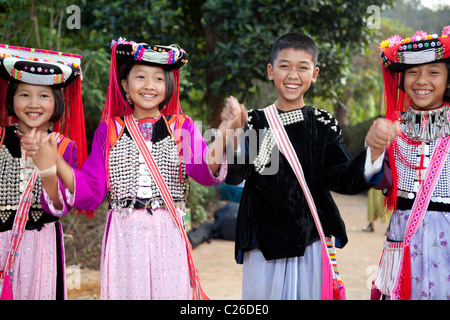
201 201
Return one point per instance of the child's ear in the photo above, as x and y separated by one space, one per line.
124 85
270 71
315 74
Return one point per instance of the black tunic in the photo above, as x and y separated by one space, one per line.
274 215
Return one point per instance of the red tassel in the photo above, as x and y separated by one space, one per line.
342 293
203 295
115 105
64 128
327 276
198 293
5 120
396 100
6 290
336 290
391 199
73 125
172 107
405 284
375 294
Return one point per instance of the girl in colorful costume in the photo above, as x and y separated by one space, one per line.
146 253
415 262
37 87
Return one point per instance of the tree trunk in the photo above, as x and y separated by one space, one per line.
342 115
215 103
342 109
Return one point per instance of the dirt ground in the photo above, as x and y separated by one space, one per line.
221 277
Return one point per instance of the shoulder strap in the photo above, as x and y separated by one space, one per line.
157 177
423 196
2 135
285 146
20 221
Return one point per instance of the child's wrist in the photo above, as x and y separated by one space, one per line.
47 172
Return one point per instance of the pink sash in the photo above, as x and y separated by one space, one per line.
198 293
20 221
332 287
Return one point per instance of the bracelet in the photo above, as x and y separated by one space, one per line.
217 135
47 172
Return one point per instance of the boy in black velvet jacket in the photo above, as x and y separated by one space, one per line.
276 238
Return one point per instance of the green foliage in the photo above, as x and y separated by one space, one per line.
242 33
200 199
228 42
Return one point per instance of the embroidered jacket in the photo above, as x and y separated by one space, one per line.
274 215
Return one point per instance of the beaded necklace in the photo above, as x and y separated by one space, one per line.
426 125
415 143
268 142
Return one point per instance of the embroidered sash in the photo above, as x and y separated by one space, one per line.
198 293
332 287
20 220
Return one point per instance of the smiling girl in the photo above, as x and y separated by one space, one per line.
417 176
146 253
31 238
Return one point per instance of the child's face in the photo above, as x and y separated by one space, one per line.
34 106
292 73
426 85
146 87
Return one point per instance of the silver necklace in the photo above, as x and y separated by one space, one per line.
431 124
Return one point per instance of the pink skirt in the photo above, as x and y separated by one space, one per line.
35 269
144 257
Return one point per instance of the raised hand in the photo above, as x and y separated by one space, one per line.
42 147
381 134
233 116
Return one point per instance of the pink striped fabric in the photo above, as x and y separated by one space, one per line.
20 221
198 293
283 142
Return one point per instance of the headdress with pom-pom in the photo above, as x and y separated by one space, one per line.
49 68
129 52
45 67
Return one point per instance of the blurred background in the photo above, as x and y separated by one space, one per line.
228 43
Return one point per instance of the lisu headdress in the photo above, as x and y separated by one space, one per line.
399 54
49 68
125 52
